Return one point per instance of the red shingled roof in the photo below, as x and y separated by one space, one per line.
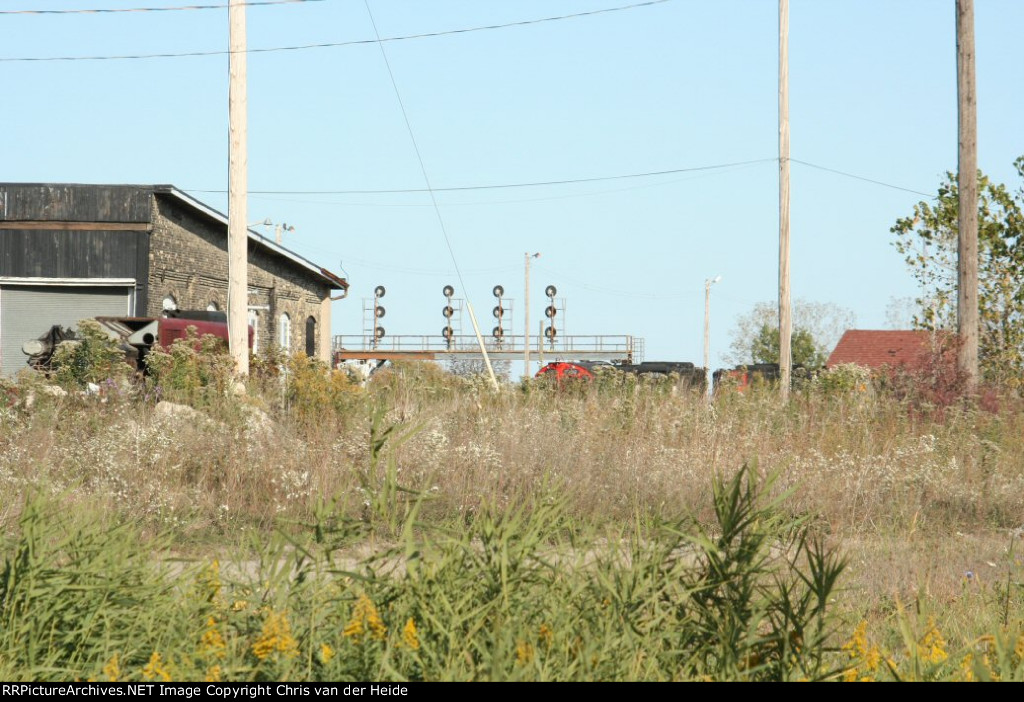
875 349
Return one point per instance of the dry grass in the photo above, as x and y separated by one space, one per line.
927 506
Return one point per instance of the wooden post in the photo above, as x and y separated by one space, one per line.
526 321
785 319
967 185
238 239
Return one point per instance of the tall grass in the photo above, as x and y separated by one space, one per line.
544 532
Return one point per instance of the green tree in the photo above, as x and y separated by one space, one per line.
765 348
928 241
822 323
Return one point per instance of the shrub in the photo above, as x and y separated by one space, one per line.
194 370
92 358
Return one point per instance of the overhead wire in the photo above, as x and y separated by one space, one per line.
337 44
433 196
178 8
502 186
568 181
857 177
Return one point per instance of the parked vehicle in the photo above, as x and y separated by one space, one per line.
136 335
586 370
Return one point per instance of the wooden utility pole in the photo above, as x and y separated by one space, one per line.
785 319
967 185
238 185
526 312
707 334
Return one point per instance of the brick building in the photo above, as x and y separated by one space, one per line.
69 252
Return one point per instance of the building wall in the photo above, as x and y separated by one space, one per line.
75 232
188 260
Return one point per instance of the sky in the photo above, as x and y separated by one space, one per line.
678 85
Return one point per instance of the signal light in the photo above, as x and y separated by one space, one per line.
446 332
499 312
498 333
551 291
550 312
378 332
448 291
379 311
498 291
447 311
379 291
550 332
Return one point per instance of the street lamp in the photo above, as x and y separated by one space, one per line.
707 332
526 322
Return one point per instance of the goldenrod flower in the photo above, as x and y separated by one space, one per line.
409 636
545 635
209 582
212 643
112 670
932 647
365 618
155 669
326 653
276 636
213 674
864 656
524 652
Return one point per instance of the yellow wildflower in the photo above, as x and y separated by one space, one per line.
112 670
967 668
212 643
365 618
524 652
545 635
1018 649
213 674
409 636
326 653
864 656
276 636
932 647
155 669
209 582
239 605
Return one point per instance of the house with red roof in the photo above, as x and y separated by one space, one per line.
878 348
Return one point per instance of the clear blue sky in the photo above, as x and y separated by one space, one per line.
674 85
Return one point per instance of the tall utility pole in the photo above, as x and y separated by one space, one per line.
526 312
785 320
967 185
707 332
238 185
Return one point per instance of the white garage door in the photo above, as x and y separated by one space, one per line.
28 312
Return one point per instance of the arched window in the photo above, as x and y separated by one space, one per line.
311 336
285 332
212 307
170 304
254 322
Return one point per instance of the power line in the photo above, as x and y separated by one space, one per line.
499 186
480 203
331 45
857 177
109 11
569 181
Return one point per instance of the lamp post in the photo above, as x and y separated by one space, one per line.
526 312
707 332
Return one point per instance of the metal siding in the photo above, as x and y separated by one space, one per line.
73 254
76 203
27 312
